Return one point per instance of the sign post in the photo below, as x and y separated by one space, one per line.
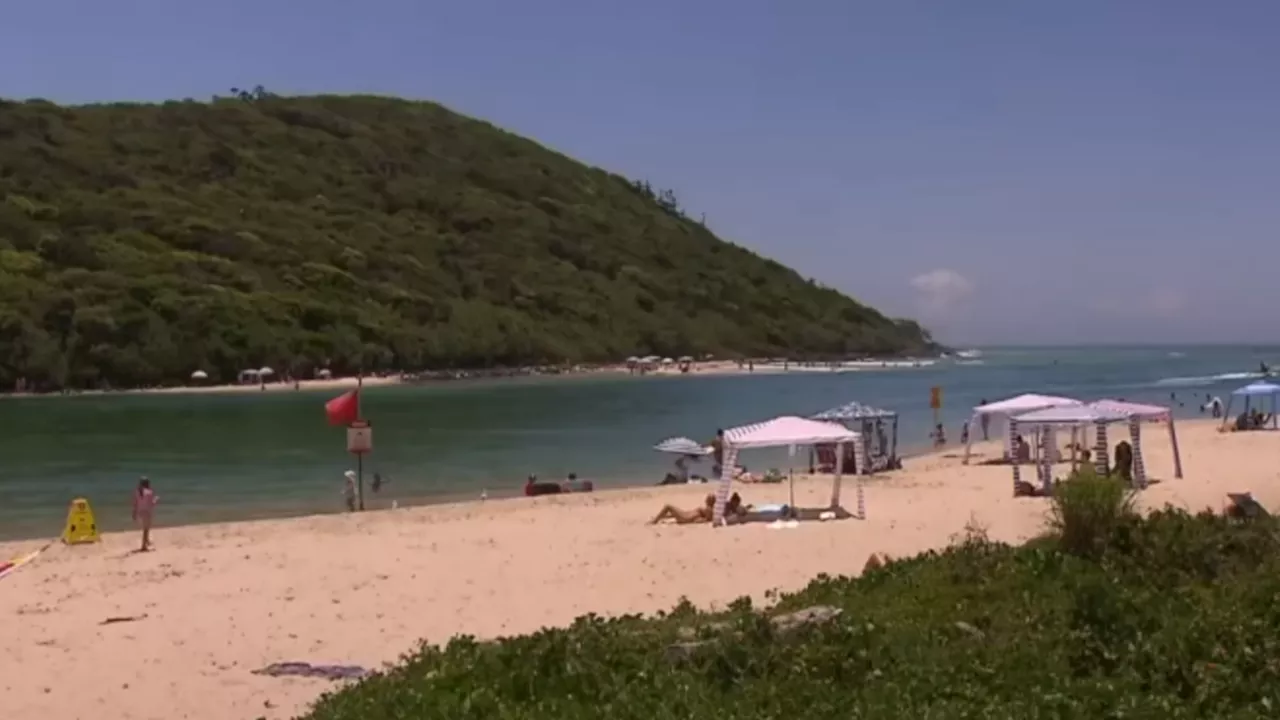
359 442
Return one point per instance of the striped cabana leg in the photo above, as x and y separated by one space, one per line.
1100 448
1135 439
835 482
1177 456
730 461
858 489
1012 450
1075 445
1046 468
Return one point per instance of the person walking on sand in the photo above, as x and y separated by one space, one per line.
717 452
144 507
349 490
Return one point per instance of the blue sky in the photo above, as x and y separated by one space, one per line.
1008 172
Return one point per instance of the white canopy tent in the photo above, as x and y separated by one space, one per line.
1099 414
1251 392
785 431
1009 407
1156 413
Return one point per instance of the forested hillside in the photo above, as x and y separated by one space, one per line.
141 242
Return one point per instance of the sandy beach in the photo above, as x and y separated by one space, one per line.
215 602
711 368
195 388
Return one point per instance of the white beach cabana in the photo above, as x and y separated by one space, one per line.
1149 413
1042 424
1254 392
1098 414
880 453
786 431
1009 407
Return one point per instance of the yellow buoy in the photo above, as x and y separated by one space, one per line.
81 527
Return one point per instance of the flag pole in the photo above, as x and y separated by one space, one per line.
359 456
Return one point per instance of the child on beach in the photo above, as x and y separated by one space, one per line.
144 506
349 490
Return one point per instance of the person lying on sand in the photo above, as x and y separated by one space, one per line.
533 488
573 484
733 509
687 517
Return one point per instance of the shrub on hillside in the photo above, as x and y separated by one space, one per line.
1175 618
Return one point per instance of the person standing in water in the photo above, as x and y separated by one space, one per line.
144 507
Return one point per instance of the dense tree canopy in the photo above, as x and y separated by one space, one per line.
141 242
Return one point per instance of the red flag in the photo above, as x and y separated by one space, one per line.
344 409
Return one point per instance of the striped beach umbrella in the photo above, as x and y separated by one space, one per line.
681 446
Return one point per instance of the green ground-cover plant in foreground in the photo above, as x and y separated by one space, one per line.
1175 616
1087 508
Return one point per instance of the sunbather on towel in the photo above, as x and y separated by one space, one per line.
533 488
686 517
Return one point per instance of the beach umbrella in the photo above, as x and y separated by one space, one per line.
666 361
199 375
681 446
266 371
685 358
325 373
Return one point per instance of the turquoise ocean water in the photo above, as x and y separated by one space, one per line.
226 457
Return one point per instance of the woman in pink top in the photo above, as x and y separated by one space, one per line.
144 507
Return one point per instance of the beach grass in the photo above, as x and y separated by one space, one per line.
1169 616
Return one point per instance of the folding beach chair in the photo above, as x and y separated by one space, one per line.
1244 507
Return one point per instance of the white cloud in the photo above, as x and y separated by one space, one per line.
940 292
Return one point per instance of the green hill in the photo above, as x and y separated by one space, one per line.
141 242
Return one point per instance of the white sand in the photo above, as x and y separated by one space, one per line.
222 600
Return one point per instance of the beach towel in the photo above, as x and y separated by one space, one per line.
8 567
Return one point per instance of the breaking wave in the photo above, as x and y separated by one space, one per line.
1204 380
